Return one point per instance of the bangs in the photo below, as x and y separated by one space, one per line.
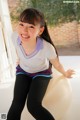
30 16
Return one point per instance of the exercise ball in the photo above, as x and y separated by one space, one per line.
58 96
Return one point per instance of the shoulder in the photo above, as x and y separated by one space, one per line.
49 50
47 45
14 37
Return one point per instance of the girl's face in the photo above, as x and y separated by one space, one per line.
29 32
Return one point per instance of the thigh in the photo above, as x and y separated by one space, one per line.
21 87
38 88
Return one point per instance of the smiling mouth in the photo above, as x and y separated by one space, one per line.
25 36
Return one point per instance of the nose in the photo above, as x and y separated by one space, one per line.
25 29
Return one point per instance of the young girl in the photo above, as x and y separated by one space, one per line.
36 54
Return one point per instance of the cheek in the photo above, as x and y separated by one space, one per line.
34 32
18 29
19 32
37 32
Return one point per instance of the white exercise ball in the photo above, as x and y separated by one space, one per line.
58 96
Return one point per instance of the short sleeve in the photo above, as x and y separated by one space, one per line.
51 53
14 37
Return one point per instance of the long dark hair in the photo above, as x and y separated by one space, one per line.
33 16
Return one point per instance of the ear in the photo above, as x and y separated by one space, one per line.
41 31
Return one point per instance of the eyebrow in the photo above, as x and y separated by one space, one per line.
27 23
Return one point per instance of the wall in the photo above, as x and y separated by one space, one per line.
79 32
66 34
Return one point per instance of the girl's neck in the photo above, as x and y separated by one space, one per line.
29 44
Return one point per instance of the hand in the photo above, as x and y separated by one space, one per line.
69 73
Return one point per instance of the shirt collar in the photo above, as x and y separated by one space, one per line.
39 43
19 41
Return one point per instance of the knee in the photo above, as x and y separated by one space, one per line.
33 106
30 106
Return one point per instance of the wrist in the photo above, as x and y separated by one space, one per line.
65 74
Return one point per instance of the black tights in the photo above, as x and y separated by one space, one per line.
34 90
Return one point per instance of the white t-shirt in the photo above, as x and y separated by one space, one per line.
39 59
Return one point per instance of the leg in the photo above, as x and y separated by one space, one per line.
21 89
34 102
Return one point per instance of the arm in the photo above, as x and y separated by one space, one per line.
17 62
17 59
14 37
58 66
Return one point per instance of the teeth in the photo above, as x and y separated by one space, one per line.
24 36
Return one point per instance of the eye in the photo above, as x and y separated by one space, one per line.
31 26
21 24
